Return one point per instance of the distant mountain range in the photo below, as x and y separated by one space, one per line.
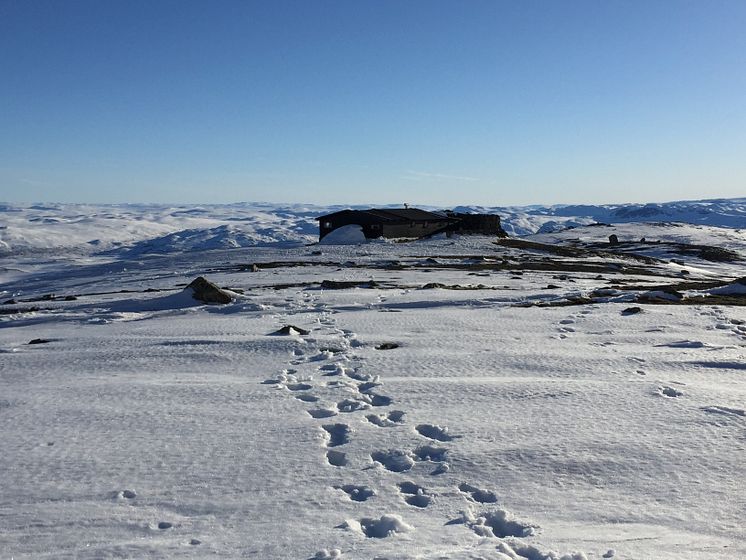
147 228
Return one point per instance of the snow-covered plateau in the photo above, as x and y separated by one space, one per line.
545 397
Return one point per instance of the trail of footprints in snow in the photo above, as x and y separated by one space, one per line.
362 395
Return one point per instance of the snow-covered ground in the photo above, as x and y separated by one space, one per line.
451 399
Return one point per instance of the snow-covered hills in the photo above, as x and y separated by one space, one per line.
142 228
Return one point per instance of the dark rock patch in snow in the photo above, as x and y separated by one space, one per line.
207 292
306 397
632 310
387 346
290 330
344 284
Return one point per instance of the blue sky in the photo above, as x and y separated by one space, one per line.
430 102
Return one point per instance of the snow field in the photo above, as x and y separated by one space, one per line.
408 423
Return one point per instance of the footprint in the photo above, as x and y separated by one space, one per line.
670 392
368 386
125 495
431 453
336 458
386 526
724 410
434 432
307 397
393 418
357 376
393 460
322 413
415 495
357 493
351 405
377 400
327 554
337 434
498 523
477 494
299 386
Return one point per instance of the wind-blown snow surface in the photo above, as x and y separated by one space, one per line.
433 410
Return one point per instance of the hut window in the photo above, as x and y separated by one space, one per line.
375 226
411 224
327 224
424 224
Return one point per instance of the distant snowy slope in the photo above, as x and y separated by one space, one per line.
527 220
152 228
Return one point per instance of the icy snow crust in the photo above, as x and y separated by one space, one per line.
453 399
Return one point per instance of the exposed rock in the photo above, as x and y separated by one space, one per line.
661 294
344 284
290 330
613 239
39 341
387 346
234 290
632 310
718 254
206 291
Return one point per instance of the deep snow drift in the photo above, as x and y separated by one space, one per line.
542 398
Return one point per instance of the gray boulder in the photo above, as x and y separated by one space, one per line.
206 291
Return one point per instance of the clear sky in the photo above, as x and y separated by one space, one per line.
353 101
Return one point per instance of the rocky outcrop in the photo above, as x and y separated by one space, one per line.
207 292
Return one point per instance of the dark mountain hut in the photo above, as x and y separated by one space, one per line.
411 223
387 222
